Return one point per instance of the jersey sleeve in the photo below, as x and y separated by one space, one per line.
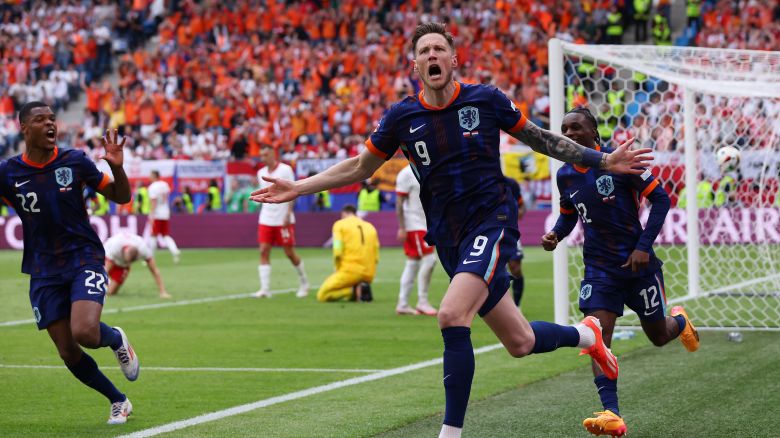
644 183
90 173
5 190
510 119
338 239
289 173
567 207
383 142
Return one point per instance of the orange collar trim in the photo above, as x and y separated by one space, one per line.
29 162
426 105
585 169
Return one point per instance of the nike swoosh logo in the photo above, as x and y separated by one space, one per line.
19 184
94 292
572 195
650 313
467 262
413 130
445 377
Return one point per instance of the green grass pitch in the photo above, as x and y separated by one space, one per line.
213 348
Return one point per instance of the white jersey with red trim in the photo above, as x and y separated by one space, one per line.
406 184
115 244
274 215
160 191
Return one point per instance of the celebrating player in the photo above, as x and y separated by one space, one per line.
450 134
277 227
121 251
420 258
160 215
62 253
620 265
355 254
515 264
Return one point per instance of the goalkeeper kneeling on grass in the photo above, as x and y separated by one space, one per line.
355 254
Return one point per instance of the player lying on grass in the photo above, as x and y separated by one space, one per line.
450 134
62 253
621 268
121 251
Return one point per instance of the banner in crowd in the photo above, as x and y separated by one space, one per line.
720 226
198 175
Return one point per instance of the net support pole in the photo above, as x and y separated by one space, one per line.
691 181
557 107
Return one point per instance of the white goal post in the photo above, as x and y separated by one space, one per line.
721 241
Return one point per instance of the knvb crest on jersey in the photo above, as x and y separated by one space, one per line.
468 116
605 185
585 291
64 176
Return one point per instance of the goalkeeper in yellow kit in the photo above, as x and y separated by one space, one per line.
355 254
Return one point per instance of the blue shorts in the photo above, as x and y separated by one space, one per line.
51 297
644 295
483 252
518 254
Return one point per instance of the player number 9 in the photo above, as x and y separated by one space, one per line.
422 152
479 246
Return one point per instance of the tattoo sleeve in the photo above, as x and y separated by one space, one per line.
559 147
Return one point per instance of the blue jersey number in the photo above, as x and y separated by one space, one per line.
33 198
583 212
422 152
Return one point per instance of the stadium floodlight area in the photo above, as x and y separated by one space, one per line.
721 249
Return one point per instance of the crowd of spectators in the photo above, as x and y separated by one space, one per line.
311 78
50 51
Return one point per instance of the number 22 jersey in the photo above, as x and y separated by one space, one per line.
454 153
48 199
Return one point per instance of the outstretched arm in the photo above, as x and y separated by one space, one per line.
119 189
621 160
150 263
349 171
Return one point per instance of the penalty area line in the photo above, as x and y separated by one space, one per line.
241 409
212 369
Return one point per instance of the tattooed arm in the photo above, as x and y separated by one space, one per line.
621 160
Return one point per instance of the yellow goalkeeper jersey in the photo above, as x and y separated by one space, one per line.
355 246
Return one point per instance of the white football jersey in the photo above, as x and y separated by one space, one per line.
115 244
275 214
406 184
160 191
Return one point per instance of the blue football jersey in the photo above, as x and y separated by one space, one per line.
608 207
454 153
49 200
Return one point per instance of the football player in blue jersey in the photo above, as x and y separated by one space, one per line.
62 253
450 134
621 268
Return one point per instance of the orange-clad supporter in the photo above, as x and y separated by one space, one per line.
167 119
328 29
6 105
147 117
132 109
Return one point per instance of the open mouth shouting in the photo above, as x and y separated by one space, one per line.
434 72
51 135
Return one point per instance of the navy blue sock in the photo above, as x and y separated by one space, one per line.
88 373
551 336
109 337
608 393
680 322
518 284
458 373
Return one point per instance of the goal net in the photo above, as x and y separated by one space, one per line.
720 243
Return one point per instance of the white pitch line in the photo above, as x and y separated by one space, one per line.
214 369
241 409
161 305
